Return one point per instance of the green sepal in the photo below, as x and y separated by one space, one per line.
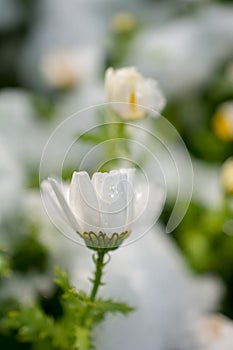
103 241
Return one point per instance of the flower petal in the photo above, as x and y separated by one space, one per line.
130 173
113 203
98 182
84 203
61 205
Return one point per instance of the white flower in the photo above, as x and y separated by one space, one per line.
132 92
100 209
66 68
11 180
180 52
227 176
216 333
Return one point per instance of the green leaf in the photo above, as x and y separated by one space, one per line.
4 263
84 339
73 329
61 279
104 306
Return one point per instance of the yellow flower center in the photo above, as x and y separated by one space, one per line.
133 107
223 127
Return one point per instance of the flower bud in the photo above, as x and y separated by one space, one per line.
132 92
123 22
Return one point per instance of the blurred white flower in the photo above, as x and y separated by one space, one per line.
20 126
100 209
66 68
223 121
25 288
61 69
227 176
132 93
28 204
216 333
180 53
11 180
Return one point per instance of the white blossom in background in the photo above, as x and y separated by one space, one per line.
25 287
11 180
67 68
26 134
206 180
215 333
132 93
61 69
180 53
20 127
63 27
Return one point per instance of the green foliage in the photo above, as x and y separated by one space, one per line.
201 236
119 45
29 254
25 252
107 131
72 330
192 115
114 135
4 263
44 108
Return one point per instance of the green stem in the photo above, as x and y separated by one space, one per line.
99 262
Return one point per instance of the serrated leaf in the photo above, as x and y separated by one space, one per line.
84 339
62 279
112 306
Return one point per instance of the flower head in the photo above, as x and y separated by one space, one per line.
123 22
99 209
227 176
132 93
223 121
215 332
61 69
70 67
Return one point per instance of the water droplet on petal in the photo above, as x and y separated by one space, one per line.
113 192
